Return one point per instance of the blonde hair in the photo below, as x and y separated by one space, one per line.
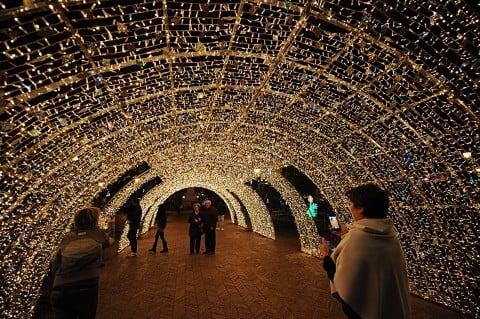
87 218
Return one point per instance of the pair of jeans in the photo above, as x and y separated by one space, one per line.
210 240
160 233
221 221
75 301
195 240
132 237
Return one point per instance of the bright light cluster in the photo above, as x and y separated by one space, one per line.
206 92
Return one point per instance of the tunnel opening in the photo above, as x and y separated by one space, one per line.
282 218
182 201
322 208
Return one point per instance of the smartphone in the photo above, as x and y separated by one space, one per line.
334 223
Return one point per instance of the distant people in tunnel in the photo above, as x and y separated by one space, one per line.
76 268
134 217
367 269
221 220
210 218
196 228
110 220
312 211
161 221
318 216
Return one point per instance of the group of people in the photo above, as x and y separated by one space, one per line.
367 269
202 221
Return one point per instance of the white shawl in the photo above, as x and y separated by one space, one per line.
371 275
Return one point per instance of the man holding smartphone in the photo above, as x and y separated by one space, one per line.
367 269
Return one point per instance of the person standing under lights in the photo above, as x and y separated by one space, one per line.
367 270
161 220
76 267
210 218
134 217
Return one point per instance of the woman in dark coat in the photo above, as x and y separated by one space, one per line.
134 218
161 221
77 267
196 228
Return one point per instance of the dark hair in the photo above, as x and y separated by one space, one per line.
87 218
371 198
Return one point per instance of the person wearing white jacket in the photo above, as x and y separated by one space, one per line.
367 270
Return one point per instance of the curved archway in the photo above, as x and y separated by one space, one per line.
348 92
162 191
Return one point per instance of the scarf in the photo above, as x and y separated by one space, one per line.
371 275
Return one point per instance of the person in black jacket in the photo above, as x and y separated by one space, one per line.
134 216
77 267
210 218
196 227
161 221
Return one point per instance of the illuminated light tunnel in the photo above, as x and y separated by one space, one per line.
214 94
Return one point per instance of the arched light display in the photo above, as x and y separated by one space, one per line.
346 91
160 193
308 233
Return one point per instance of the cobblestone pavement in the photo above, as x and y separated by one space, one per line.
249 277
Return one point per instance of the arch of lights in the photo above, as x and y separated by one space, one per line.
346 91
307 231
259 215
161 192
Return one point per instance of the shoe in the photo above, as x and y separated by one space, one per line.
191 253
206 252
211 253
164 251
132 254
152 251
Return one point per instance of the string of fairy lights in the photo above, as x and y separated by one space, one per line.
160 193
151 200
214 93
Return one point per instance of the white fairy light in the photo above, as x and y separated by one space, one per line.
207 94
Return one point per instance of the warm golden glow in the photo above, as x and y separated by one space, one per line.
215 94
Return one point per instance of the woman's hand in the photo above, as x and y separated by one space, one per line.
343 230
324 250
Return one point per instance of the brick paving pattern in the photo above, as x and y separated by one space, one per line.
249 277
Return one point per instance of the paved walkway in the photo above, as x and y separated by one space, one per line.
249 277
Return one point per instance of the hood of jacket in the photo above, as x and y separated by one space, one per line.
379 226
